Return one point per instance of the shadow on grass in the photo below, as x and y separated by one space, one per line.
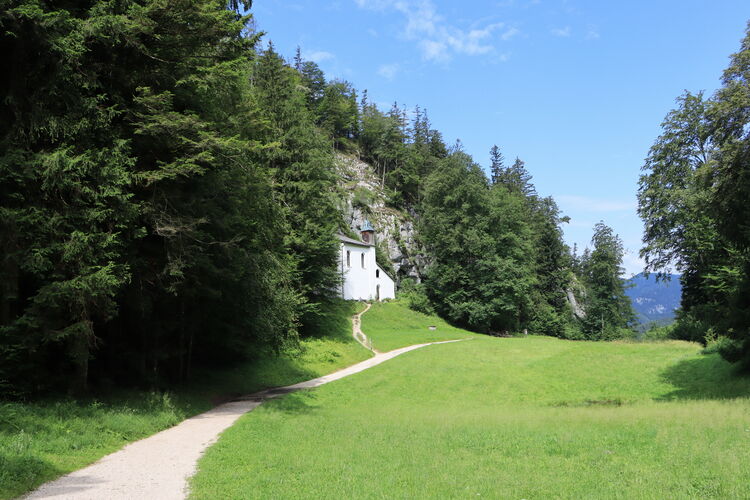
705 377
295 403
255 376
332 320
21 473
268 369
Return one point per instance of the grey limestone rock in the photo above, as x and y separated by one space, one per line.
364 198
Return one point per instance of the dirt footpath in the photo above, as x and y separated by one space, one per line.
159 466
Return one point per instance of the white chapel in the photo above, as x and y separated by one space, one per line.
362 278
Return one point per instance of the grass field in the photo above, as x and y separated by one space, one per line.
391 325
531 417
45 439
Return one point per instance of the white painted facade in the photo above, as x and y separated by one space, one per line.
362 278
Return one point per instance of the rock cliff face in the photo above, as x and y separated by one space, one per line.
364 198
575 293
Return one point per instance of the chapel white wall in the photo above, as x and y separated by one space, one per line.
361 283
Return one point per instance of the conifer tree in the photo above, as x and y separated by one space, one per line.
149 237
608 309
479 241
339 113
303 168
497 166
517 178
298 59
553 267
314 81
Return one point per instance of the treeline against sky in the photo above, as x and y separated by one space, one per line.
693 198
498 259
168 199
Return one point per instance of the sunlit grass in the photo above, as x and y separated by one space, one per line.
519 418
391 325
42 440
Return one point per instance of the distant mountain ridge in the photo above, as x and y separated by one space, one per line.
654 302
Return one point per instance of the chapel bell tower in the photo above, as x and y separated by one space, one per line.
368 233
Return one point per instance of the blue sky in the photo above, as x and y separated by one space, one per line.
577 89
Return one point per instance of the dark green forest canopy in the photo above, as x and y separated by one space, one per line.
140 209
168 198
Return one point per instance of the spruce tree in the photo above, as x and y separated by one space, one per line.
608 309
553 267
338 113
497 166
480 276
302 162
143 233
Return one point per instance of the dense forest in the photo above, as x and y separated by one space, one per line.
168 199
693 198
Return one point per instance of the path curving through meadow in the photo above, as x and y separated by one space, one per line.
357 333
159 466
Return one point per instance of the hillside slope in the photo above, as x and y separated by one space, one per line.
532 417
654 302
365 198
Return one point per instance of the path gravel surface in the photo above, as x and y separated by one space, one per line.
159 466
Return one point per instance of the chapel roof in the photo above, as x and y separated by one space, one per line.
352 241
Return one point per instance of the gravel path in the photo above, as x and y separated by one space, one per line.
159 466
357 333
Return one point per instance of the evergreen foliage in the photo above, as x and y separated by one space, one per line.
553 267
468 279
608 309
339 113
301 163
168 199
499 260
497 164
138 202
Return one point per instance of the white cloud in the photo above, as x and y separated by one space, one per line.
632 263
437 39
434 51
592 33
388 71
594 204
564 32
319 56
510 33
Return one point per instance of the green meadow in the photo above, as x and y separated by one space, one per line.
391 325
532 417
44 439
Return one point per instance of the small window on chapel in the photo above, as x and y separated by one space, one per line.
377 273
348 259
363 260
